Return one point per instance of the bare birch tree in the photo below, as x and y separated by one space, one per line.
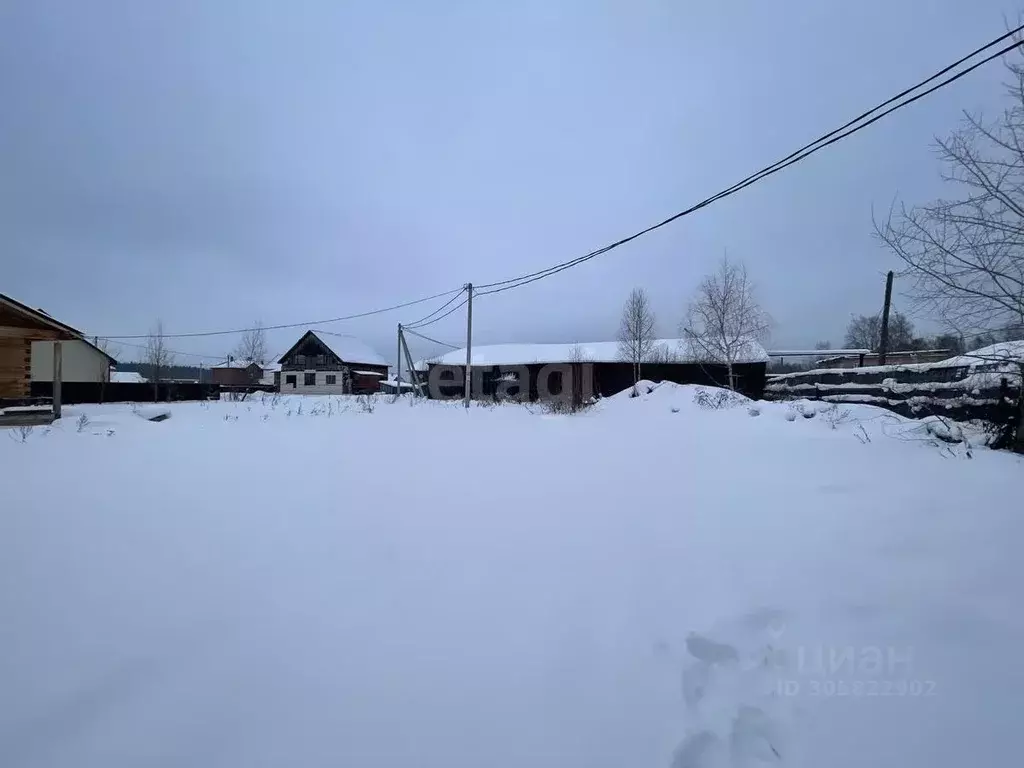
636 330
157 356
724 319
964 254
252 347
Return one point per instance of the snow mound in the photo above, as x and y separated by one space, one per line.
668 395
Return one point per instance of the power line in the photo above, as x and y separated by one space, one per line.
172 351
806 151
427 317
457 307
427 338
848 129
290 325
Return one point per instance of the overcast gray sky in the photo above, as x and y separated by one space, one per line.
214 162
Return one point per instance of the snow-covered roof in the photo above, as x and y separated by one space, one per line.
369 373
1009 351
349 348
816 352
126 377
237 364
591 352
391 383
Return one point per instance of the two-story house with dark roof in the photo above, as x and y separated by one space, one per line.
322 363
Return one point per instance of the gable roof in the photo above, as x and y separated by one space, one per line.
237 364
110 358
41 317
348 349
126 377
592 352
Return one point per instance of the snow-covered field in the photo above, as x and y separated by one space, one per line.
649 583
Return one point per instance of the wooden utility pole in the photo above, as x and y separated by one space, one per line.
398 363
883 345
414 378
469 342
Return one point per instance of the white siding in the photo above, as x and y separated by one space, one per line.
320 388
79 362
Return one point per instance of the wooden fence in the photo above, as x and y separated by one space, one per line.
73 392
915 391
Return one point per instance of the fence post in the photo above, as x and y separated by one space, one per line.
58 376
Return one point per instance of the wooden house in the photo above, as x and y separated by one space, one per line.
237 373
20 325
322 363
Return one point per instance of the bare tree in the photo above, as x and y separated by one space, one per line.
157 356
112 350
252 347
663 353
951 342
865 332
636 330
964 253
579 354
106 346
724 319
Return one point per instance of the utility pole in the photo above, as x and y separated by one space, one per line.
469 341
414 378
398 362
883 346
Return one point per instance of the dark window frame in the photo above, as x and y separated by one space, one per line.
309 379
331 379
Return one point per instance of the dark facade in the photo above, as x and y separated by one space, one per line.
591 379
237 377
309 353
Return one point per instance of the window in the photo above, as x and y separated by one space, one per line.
321 359
289 380
309 379
332 379
300 360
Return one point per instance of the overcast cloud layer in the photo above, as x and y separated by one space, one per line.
214 163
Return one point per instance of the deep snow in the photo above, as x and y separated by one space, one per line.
648 583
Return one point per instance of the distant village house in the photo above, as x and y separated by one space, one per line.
322 363
237 373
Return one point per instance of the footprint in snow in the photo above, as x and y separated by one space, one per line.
710 651
735 716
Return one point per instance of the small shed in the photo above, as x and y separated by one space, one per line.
20 325
237 373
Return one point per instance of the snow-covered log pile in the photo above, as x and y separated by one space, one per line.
983 385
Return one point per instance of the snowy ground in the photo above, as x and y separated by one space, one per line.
650 583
